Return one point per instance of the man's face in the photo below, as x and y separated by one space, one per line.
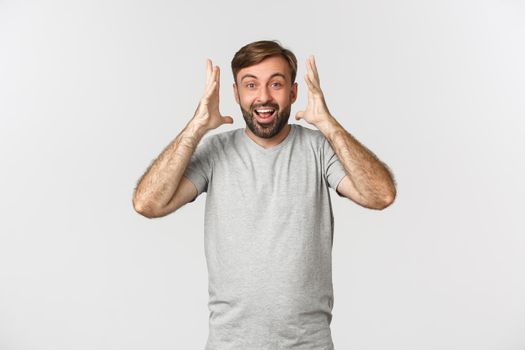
265 94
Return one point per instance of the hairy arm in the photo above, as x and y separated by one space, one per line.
157 186
370 179
160 190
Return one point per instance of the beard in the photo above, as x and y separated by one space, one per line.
267 130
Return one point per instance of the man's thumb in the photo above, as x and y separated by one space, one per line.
227 119
299 115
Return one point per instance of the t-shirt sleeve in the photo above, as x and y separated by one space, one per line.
200 165
333 170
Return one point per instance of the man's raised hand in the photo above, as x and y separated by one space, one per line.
207 113
316 111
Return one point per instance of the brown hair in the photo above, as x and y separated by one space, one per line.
257 51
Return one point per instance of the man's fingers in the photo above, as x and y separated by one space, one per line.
310 87
312 72
308 66
214 73
212 77
313 85
209 90
208 71
309 70
314 68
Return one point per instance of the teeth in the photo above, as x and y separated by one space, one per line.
264 110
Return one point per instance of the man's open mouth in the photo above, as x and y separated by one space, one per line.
264 113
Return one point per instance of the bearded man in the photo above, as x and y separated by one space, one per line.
268 224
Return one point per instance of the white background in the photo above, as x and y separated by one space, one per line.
91 92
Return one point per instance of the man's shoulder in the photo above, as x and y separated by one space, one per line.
221 137
311 135
308 131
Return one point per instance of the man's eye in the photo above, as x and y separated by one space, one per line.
277 84
250 85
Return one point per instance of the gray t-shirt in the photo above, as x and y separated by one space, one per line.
268 232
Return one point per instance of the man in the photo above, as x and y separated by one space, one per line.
268 218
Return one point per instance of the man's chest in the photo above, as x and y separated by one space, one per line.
279 177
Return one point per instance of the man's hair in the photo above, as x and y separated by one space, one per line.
257 51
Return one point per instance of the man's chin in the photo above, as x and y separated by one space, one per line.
264 133
266 126
268 131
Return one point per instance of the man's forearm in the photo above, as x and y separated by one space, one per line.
160 181
369 175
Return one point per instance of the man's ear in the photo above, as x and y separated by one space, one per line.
293 92
236 93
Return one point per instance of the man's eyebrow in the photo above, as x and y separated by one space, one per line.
273 75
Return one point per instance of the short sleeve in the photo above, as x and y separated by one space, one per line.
333 170
200 165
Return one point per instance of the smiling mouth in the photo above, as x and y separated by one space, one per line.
264 113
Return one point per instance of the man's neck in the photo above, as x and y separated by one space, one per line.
271 142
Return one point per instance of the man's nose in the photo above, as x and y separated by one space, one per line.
264 95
